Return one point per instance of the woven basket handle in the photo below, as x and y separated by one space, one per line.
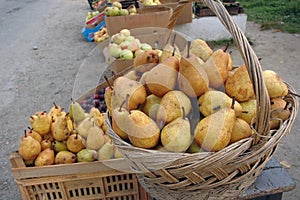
251 61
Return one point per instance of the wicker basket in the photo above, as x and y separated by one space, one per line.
90 180
206 175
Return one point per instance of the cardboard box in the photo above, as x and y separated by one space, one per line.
186 15
92 26
146 17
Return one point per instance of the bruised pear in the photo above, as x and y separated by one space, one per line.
278 116
176 136
146 59
142 130
124 86
171 106
65 157
239 85
46 157
29 148
55 111
46 144
212 101
278 102
40 122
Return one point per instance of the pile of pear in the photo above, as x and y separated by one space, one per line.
56 137
189 101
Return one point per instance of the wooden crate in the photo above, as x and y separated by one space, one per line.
78 181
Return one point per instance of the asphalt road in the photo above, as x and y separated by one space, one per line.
43 56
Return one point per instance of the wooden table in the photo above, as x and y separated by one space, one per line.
272 182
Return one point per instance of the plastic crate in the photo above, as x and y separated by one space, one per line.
89 180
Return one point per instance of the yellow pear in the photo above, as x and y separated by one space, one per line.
147 59
249 111
107 95
119 120
278 102
123 87
163 77
278 116
46 144
171 106
168 51
75 143
216 68
65 157
46 157
63 128
94 112
176 136
142 130
212 101
40 122
241 130
192 78
84 127
55 111
201 49
34 134
239 85
29 148
274 84
213 132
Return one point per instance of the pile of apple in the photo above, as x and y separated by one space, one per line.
90 15
189 102
57 137
116 9
125 46
150 2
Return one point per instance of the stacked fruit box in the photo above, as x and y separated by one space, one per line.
231 6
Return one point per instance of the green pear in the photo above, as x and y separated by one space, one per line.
60 146
249 111
95 138
213 132
176 136
76 112
119 124
117 153
84 127
86 155
194 148
151 106
106 152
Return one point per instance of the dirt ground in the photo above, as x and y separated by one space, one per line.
48 59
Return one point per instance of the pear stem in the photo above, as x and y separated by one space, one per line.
174 38
72 100
183 112
25 133
173 53
226 48
188 49
55 105
108 82
233 102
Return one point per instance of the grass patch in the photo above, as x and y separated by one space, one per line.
283 15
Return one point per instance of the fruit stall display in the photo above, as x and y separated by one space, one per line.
178 102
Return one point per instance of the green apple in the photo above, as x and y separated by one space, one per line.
146 46
117 4
124 12
126 54
118 38
125 32
114 50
